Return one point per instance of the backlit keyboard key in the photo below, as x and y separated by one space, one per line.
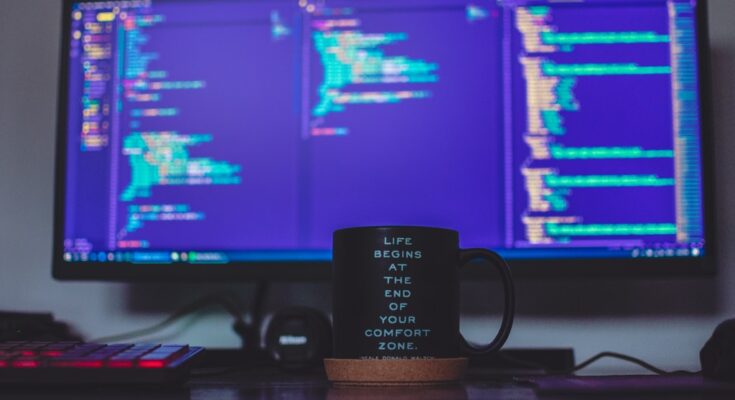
76 363
26 362
83 350
162 356
133 353
37 362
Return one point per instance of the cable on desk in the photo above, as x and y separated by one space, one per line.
250 331
584 364
261 292
226 302
630 359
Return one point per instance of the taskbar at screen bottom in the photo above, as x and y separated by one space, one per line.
225 257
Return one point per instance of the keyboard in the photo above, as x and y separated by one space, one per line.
71 363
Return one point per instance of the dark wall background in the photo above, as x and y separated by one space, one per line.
664 320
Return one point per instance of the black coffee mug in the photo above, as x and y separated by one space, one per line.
396 293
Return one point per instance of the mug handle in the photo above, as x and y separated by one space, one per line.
467 255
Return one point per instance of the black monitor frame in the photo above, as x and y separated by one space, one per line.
321 271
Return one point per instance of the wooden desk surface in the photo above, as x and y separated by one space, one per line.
277 385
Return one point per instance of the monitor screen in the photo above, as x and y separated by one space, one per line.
240 133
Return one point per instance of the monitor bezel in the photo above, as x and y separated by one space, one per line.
321 270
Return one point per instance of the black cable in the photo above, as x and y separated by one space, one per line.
630 359
250 331
222 300
261 292
258 309
183 326
584 364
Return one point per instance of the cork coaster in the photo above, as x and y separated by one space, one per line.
434 371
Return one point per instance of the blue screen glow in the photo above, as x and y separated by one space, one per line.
214 131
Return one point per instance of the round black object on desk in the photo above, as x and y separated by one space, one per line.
298 337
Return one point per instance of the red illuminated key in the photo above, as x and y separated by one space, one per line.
76 363
26 362
5 361
57 349
83 362
152 364
95 359
162 356
30 349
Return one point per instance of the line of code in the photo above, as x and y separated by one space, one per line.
358 71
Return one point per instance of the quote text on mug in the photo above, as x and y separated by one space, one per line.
398 330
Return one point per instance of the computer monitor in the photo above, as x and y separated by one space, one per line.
219 139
